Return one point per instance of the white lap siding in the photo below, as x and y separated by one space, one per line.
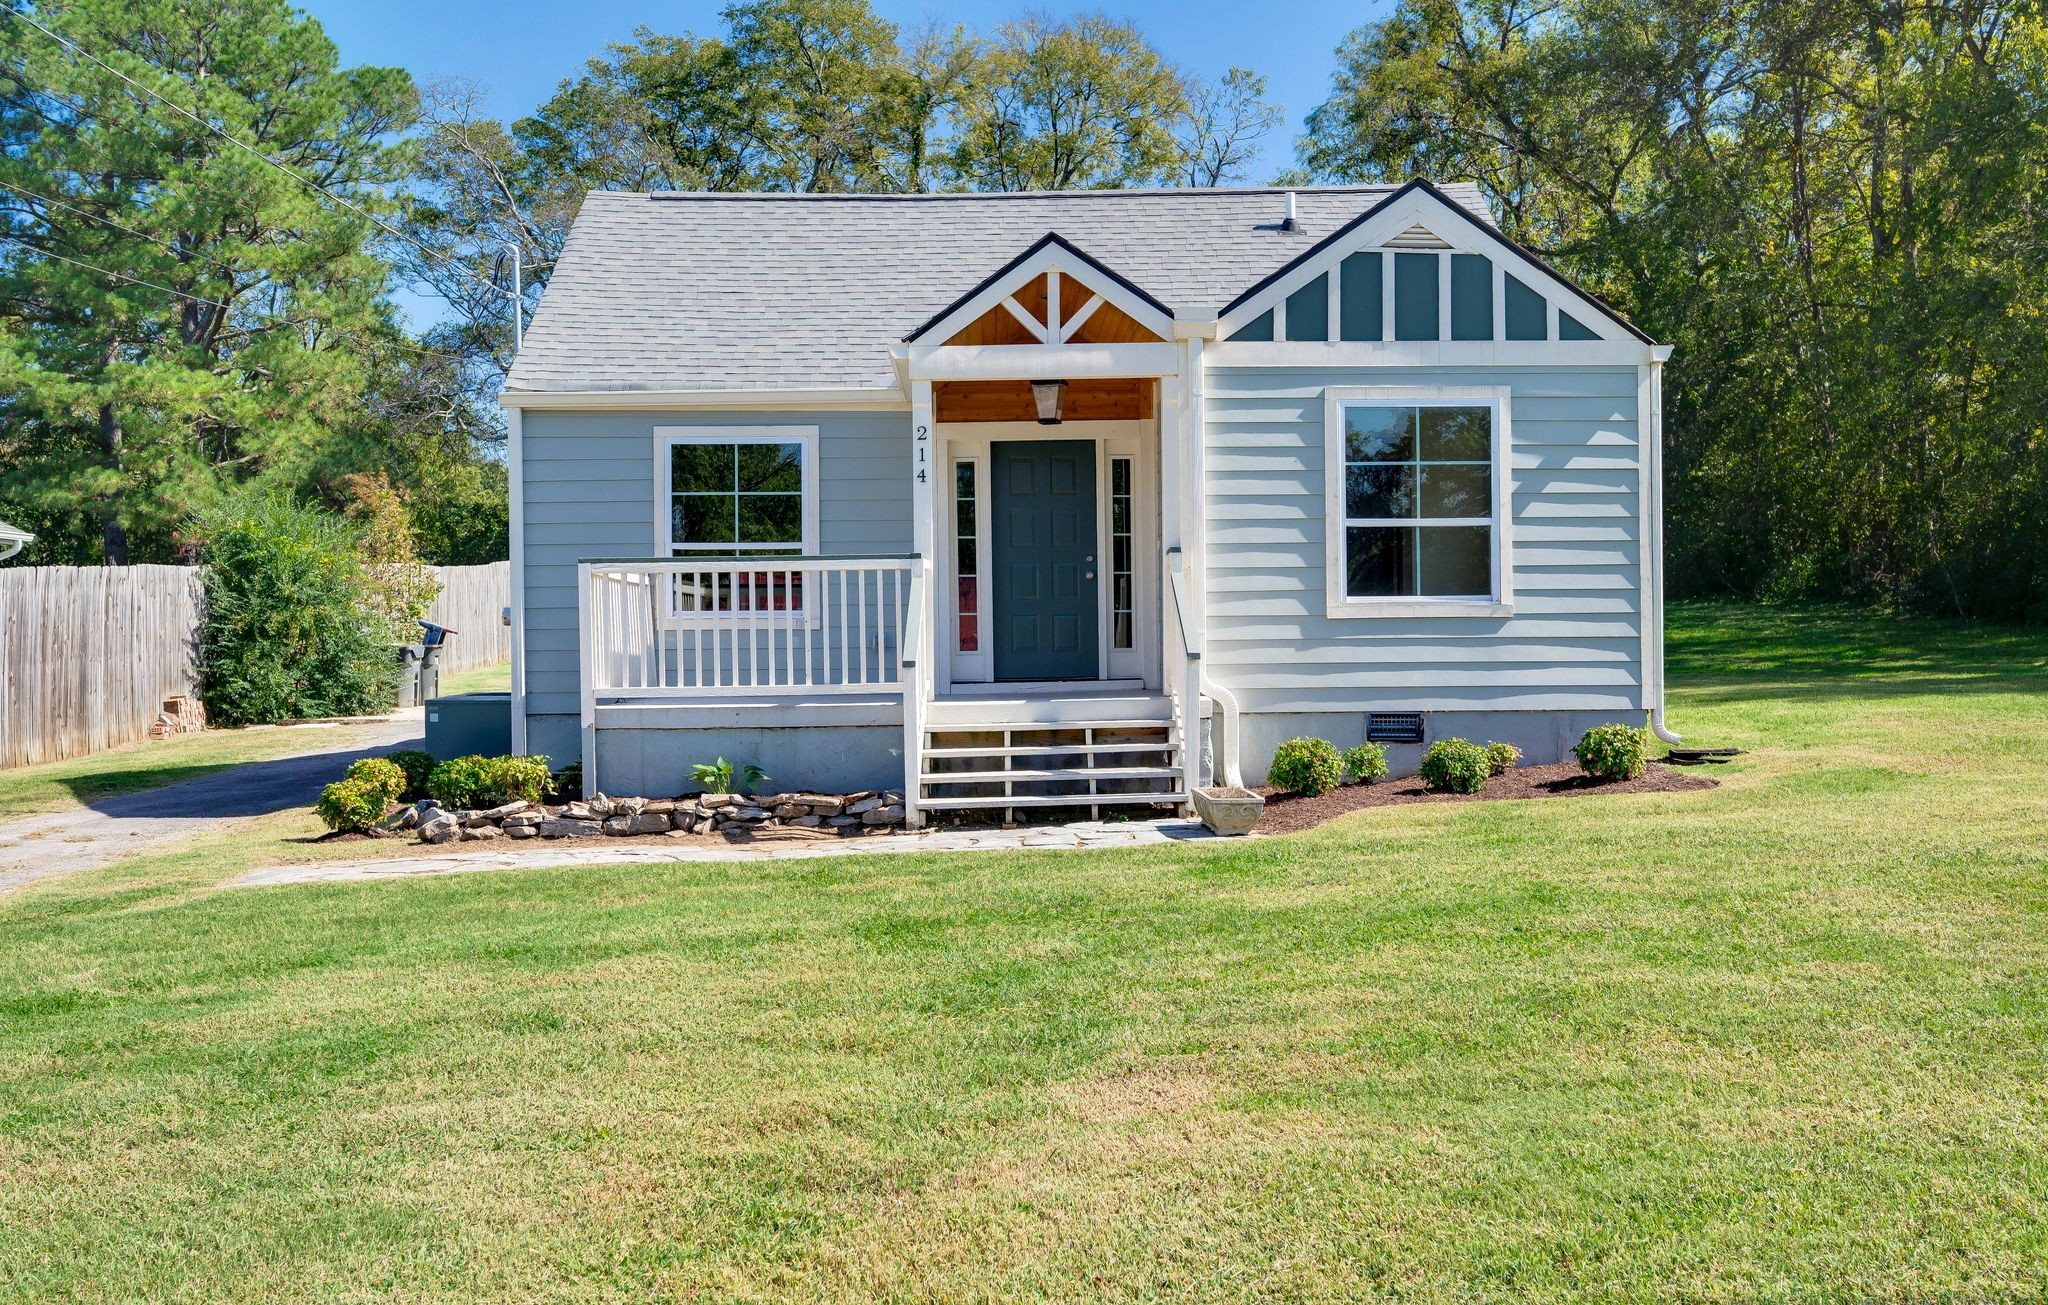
1574 642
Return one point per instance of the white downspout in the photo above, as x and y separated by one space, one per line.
1655 615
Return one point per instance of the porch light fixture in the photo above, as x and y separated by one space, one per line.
1048 397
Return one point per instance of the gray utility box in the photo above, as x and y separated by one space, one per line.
469 723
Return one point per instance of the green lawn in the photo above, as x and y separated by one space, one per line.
1782 1040
61 785
484 679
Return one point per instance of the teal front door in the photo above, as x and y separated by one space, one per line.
1043 494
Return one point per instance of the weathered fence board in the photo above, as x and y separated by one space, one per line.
472 603
89 653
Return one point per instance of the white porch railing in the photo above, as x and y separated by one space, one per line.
735 627
728 627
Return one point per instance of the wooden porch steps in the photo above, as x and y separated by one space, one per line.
1064 757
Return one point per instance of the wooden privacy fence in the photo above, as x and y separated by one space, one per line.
89 653
472 603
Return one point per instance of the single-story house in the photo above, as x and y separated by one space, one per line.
1013 500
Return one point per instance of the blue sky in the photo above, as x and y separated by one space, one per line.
520 49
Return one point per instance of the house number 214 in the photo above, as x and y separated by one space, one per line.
923 434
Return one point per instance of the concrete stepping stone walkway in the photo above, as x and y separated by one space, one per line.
1083 836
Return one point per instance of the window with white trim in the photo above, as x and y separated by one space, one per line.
1415 500
740 492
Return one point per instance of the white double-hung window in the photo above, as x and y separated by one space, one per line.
738 491
1416 501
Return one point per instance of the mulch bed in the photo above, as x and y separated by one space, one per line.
1288 812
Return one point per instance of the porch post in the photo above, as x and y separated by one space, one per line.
924 480
586 661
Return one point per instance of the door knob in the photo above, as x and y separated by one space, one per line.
1088 575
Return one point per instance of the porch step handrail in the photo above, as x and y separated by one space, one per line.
1187 687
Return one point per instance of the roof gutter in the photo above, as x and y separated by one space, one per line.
12 541
843 397
1655 462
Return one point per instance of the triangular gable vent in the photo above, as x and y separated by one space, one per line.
1418 237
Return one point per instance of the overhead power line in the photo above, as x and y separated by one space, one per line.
215 303
107 221
251 150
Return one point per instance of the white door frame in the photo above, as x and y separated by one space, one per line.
971 441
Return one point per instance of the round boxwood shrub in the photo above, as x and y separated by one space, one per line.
1365 764
382 776
471 782
459 782
1310 767
350 806
417 765
1456 766
1501 757
1613 751
518 779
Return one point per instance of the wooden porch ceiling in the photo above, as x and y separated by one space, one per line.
1110 399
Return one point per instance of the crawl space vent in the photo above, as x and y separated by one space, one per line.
1393 727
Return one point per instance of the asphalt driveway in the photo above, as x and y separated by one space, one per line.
65 842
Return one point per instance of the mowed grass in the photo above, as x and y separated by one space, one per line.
1782 1040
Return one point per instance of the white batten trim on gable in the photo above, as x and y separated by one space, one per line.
1502 602
1052 255
842 398
1458 232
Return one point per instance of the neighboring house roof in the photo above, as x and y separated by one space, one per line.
691 291
12 540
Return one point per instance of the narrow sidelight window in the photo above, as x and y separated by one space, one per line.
966 561
1122 589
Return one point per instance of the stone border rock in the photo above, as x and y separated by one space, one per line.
610 817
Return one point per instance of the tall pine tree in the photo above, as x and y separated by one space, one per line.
176 312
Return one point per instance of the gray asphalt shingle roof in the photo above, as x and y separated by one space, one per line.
748 292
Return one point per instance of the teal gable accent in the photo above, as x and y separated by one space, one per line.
1308 311
1471 297
1415 297
1527 313
1570 328
1361 285
1259 328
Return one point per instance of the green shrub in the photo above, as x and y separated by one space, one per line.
1456 766
1365 764
518 779
351 806
1307 766
383 776
1501 757
286 633
460 782
472 782
417 765
1613 751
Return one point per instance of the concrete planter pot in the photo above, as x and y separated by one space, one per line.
1231 812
